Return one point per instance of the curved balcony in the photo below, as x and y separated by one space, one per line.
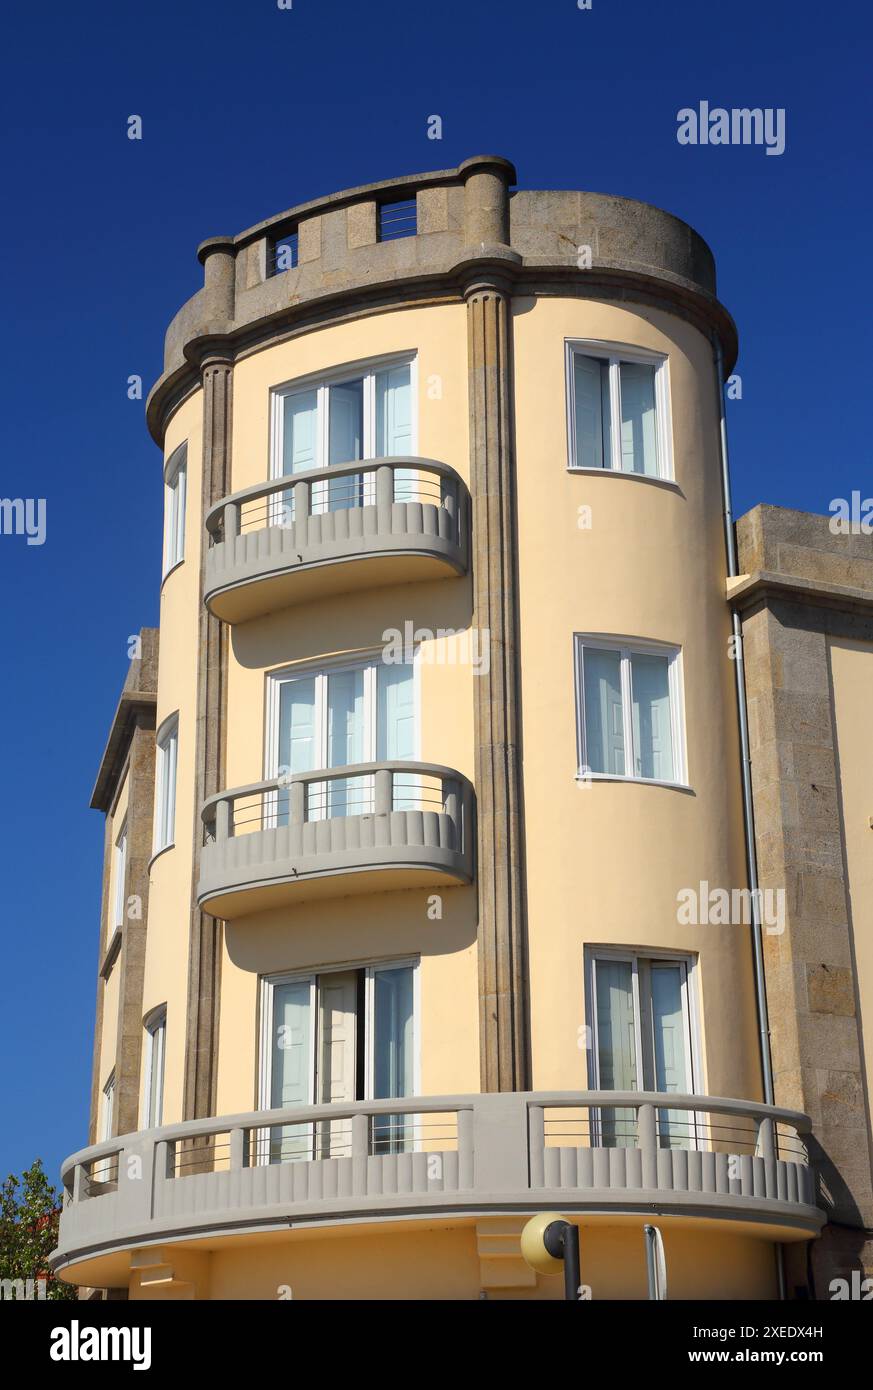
597 1153
365 828
327 531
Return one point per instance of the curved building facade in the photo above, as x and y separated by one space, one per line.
424 798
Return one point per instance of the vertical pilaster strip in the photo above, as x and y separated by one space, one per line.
504 1062
204 960
131 963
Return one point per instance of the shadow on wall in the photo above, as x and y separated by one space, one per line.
351 622
384 925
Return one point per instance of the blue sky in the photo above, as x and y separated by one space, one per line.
248 109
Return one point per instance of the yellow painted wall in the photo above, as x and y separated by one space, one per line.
852 675
418 1262
379 926
166 965
605 860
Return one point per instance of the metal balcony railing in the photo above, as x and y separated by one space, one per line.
408 820
436 1155
408 508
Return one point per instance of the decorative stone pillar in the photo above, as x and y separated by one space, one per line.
204 967
500 861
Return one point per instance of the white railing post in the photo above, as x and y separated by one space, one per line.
647 1138
384 486
222 820
537 1141
297 798
231 520
237 1149
384 791
301 501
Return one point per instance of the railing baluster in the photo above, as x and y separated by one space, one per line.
237 1149
231 516
647 1139
298 802
537 1142
384 486
223 822
384 791
301 501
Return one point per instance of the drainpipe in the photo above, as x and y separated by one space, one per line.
746 772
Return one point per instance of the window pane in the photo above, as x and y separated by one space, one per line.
155 1097
393 1062
299 419
669 1029
604 723
639 438
297 735
291 1070
345 442
350 796
616 1047
394 426
591 412
653 731
395 728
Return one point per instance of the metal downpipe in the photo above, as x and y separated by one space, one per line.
746 773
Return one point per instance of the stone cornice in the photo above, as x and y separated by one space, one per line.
134 707
669 292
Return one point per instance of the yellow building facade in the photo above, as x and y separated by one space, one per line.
417 800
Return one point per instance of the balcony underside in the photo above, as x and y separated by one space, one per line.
263 573
328 859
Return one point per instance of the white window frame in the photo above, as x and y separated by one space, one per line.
632 955
627 647
320 382
615 354
175 507
119 875
166 772
265 1031
369 664
155 1026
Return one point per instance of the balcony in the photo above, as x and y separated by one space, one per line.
328 531
599 1154
366 828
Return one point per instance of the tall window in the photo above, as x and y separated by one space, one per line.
165 784
119 873
619 410
153 1094
104 1170
175 488
642 1039
338 716
364 414
342 1035
629 711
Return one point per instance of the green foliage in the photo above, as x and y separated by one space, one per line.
30 1209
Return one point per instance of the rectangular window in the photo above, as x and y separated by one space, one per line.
283 254
339 716
619 410
335 1037
640 1013
396 220
365 414
119 873
153 1095
165 784
175 489
629 711
105 1169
